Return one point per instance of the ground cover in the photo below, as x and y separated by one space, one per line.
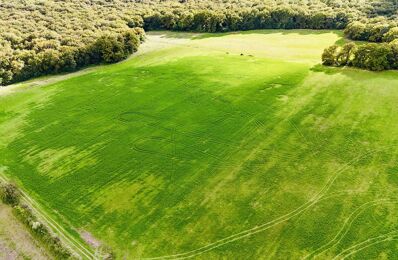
229 145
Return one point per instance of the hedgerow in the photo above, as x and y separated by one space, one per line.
10 195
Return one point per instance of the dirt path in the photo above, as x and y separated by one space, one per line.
6 90
15 241
77 248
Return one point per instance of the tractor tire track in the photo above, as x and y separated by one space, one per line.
347 225
390 236
260 228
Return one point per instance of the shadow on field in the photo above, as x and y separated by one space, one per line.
355 73
175 34
201 35
269 31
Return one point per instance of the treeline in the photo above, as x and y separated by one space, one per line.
370 56
37 58
380 31
380 52
284 17
42 37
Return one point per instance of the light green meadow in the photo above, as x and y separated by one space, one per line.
235 146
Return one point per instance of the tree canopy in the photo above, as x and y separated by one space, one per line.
39 37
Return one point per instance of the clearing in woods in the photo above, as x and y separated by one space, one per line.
226 145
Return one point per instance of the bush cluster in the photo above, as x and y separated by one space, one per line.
9 194
370 56
40 231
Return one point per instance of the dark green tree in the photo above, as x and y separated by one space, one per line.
10 194
329 56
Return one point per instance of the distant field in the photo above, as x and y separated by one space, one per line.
228 145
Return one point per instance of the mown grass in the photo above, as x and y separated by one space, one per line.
178 149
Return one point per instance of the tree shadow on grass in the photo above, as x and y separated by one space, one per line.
174 34
201 35
270 31
355 73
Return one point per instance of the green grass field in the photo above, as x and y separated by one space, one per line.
194 150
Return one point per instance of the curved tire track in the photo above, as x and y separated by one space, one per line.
260 228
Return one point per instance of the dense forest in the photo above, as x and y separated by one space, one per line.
39 37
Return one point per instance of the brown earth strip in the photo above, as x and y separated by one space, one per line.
15 241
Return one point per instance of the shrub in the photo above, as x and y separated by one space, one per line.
357 31
373 56
391 35
329 56
10 194
393 58
346 54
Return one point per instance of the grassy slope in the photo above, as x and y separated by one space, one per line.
179 148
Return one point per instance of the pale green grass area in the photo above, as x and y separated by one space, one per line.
297 46
194 150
